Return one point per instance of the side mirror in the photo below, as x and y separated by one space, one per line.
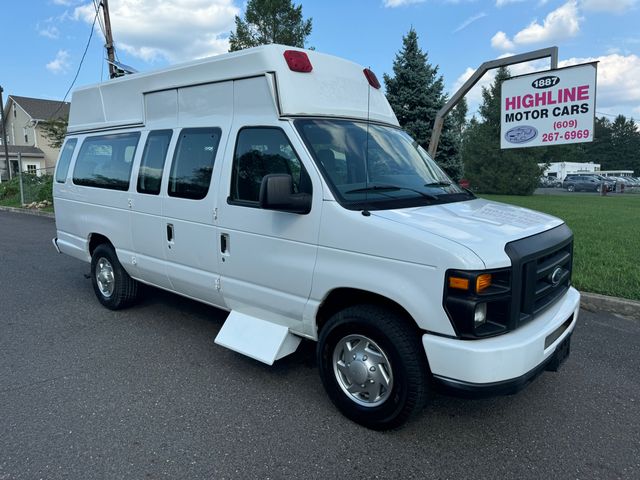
276 193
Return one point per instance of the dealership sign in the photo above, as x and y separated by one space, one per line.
554 107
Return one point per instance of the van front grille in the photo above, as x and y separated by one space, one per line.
542 266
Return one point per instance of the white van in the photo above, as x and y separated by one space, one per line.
275 183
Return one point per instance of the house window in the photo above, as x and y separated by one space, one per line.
26 134
32 169
14 112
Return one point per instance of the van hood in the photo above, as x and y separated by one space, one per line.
483 226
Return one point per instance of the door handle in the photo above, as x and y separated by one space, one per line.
224 243
170 236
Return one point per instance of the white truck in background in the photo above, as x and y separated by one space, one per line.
275 183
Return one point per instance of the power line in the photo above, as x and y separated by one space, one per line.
79 66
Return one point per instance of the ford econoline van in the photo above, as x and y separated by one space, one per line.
275 183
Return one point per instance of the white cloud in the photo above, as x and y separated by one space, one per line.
60 64
563 22
614 6
502 3
176 31
400 3
469 21
50 31
501 41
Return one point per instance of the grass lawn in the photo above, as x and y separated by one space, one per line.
606 238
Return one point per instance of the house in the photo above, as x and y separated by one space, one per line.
23 117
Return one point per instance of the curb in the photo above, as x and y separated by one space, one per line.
602 303
27 211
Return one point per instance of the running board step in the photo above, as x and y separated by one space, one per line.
261 340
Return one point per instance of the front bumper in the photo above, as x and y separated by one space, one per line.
514 357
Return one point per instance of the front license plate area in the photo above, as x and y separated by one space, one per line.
560 355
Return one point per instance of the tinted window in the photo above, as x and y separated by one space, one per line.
152 164
193 162
106 161
65 160
260 152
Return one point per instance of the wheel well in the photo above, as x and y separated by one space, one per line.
96 239
342 298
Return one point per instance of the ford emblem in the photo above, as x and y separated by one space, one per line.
556 276
521 134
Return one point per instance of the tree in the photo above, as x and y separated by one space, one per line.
54 131
416 93
270 21
488 168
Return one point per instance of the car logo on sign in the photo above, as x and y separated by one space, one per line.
521 134
556 276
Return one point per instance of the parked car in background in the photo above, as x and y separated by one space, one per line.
586 183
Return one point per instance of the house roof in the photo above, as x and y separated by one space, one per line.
40 109
26 150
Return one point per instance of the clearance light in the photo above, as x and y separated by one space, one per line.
483 282
459 283
371 78
298 61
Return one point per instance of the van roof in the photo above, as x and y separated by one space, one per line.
335 87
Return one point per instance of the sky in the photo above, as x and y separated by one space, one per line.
42 41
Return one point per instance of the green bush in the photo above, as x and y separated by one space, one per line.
10 189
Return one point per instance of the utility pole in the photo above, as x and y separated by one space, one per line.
4 137
111 49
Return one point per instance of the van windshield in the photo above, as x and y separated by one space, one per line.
376 167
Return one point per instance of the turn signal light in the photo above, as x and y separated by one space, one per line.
483 282
298 61
459 283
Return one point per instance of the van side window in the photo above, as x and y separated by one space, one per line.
65 160
193 163
105 161
152 164
261 151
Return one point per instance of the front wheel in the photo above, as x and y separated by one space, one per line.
570 188
373 366
112 285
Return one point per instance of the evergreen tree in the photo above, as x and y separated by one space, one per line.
270 21
416 93
488 168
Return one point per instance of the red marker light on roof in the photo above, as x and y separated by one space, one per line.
371 78
298 61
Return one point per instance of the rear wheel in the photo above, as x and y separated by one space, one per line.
373 366
571 188
112 285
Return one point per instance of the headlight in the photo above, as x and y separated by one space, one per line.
478 303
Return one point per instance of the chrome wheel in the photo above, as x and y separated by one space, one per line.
363 370
105 277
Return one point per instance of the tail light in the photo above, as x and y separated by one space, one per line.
298 61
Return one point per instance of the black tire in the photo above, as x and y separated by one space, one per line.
570 188
399 342
124 288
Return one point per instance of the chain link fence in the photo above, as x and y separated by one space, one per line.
29 189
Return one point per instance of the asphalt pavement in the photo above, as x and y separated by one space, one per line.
87 393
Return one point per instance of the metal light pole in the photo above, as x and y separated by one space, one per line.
111 50
4 137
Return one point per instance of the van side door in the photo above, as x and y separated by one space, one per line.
267 256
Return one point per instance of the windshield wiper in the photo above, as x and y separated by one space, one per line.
381 188
438 184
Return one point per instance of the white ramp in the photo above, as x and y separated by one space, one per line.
256 338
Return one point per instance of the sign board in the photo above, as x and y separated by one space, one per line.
554 107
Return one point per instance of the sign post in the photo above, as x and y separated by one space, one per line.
554 107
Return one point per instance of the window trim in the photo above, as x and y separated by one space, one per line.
164 163
249 203
175 153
